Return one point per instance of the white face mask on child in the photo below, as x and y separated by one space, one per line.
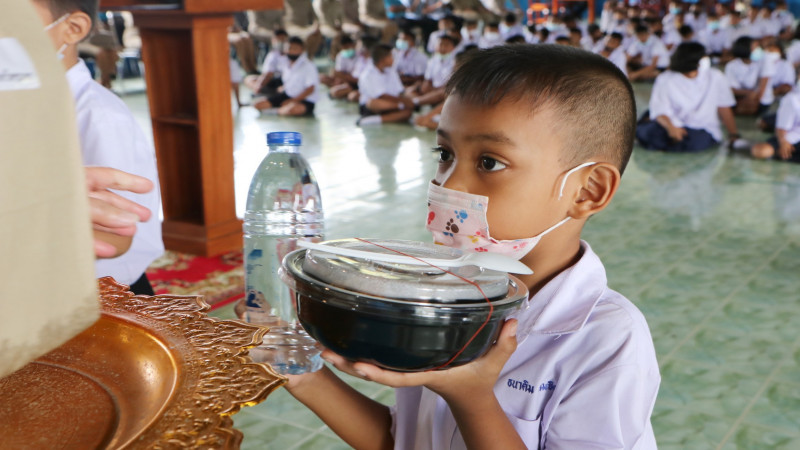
458 219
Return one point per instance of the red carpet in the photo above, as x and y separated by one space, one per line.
219 279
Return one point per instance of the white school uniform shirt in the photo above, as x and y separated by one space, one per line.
793 52
619 58
343 64
110 137
433 41
373 83
470 38
692 102
411 62
737 31
718 41
362 62
784 18
788 116
272 62
584 373
490 41
299 76
514 30
746 76
784 74
649 50
439 69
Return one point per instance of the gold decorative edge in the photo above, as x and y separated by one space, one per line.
220 377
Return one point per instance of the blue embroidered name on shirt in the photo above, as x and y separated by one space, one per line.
530 388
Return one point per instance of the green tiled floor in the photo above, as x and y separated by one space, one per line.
707 245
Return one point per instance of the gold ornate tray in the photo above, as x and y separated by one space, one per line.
153 372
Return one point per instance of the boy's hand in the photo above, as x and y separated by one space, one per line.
477 377
785 149
677 133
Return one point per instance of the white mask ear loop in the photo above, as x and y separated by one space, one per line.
57 21
566 175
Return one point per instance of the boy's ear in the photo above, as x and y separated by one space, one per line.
79 25
599 186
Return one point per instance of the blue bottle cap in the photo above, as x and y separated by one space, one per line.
285 138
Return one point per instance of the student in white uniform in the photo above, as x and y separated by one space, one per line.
363 61
269 80
408 60
109 137
686 105
749 74
784 145
299 92
593 41
341 79
509 27
491 36
470 32
782 81
647 56
431 90
614 52
382 99
446 25
577 367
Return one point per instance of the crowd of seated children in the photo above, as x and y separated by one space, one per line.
363 59
647 56
381 98
297 94
687 103
430 91
749 74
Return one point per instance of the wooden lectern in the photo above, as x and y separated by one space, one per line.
185 51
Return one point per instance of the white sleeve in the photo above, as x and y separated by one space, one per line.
311 77
368 88
430 69
339 63
730 74
786 114
660 100
724 93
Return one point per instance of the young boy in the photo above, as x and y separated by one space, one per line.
783 146
541 133
431 90
110 137
409 62
647 56
381 98
268 82
341 81
298 94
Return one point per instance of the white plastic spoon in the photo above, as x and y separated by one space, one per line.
491 261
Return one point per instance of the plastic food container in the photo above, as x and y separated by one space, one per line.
397 316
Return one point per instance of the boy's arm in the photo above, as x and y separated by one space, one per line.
727 118
361 422
303 95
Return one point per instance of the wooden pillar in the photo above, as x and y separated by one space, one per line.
188 84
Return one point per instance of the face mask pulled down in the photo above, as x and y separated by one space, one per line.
458 219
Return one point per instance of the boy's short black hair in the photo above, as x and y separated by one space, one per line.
368 41
58 8
592 99
379 52
576 31
450 38
516 39
687 57
297 40
408 32
617 35
544 33
742 47
685 31
280 32
641 29
492 24
592 28
347 40
510 17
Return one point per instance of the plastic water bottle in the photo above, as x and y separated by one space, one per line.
283 206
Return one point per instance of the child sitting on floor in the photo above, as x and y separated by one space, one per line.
267 83
408 60
431 90
749 74
783 146
540 135
687 103
298 94
381 99
341 80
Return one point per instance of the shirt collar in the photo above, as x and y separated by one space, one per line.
78 77
563 305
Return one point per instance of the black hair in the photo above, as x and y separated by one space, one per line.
576 30
593 28
742 47
591 97
347 40
510 17
687 57
685 31
544 33
58 8
379 52
280 32
447 37
516 39
368 41
562 40
493 24
297 40
466 53
616 35
641 29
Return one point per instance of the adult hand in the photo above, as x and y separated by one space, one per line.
475 377
111 212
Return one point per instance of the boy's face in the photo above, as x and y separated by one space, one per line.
505 153
445 47
295 50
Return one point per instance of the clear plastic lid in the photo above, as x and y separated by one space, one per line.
404 281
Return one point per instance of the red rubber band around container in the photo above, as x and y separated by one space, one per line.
483 325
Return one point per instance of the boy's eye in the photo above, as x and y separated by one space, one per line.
444 155
490 164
